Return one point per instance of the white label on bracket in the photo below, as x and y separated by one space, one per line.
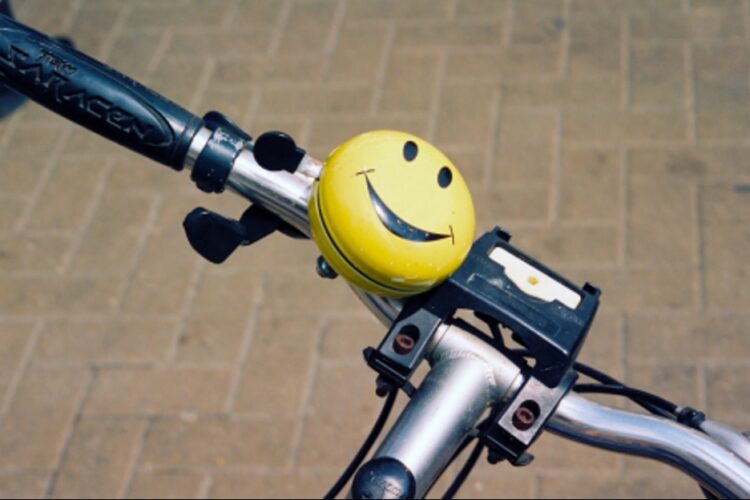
534 282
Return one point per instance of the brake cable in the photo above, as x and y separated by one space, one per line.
365 448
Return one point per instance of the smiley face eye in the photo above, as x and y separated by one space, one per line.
410 150
445 177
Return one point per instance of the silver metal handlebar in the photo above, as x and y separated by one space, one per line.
468 374
696 454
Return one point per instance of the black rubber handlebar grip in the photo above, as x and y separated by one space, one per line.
94 95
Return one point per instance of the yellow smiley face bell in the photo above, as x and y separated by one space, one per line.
391 214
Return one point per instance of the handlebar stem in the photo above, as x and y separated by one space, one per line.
465 377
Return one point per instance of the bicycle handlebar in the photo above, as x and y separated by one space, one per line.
94 95
120 109
467 374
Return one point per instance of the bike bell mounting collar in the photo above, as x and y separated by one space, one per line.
549 315
224 141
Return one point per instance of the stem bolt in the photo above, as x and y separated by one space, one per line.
525 415
403 343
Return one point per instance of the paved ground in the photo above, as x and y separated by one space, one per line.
611 137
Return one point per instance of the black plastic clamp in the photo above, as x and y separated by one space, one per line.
551 327
520 423
213 165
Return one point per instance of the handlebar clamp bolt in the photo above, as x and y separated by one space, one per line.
525 416
403 344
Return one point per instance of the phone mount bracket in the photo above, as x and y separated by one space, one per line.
547 314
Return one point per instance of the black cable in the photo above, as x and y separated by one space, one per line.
595 374
629 392
365 449
606 379
464 472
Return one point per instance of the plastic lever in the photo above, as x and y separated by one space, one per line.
277 151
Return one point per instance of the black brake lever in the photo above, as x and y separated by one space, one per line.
216 237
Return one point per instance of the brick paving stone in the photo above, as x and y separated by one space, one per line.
308 27
24 484
215 443
177 77
212 338
721 76
278 365
13 341
20 175
409 81
92 24
278 486
627 6
604 344
729 125
52 294
245 71
494 485
10 211
704 22
537 23
659 221
589 185
98 458
718 337
356 54
328 133
63 208
595 45
690 164
117 391
200 43
727 394
114 341
658 78
609 137
465 114
570 245
163 276
184 14
679 381
343 338
578 93
331 415
515 204
168 484
395 9
33 431
41 17
556 454
111 237
132 53
650 287
482 8
662 481
32 142
521 62
623 127
256 14
447 34
315 100
35 253
304 292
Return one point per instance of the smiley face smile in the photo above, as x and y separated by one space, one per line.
397 225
